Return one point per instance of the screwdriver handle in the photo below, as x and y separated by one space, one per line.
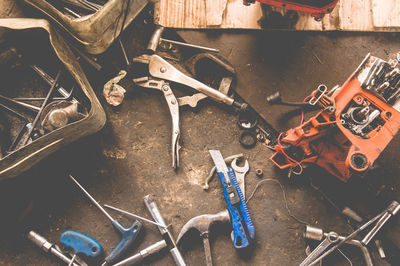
81 244
128 236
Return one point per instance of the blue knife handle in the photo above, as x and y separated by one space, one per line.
81 244
243 206
240 240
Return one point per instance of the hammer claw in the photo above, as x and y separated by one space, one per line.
202 224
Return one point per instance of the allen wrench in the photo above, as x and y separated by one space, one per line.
67 97
26 126
44 103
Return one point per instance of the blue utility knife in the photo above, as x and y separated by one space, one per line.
243 228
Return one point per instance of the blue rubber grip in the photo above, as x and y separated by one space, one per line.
128 236
81 244
240 225
243 206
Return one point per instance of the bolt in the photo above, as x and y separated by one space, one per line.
163 69
173 101
165 88
259 172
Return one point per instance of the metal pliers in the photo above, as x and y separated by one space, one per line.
173 105
160 74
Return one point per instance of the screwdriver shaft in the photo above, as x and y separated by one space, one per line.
134 215
208 49
92 199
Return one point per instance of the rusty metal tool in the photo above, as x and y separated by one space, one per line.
48 247
46 77
152 249
202 224
380 220
44 103
133 215
329 240
156 39
27 126
128 235
173 105
156 214
318 234
22 104
159 68
240 173
161 73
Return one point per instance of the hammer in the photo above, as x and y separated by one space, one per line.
202 223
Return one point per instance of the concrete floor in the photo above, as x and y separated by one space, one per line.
130 158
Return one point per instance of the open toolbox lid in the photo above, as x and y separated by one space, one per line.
97 31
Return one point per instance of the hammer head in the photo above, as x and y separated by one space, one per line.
202 223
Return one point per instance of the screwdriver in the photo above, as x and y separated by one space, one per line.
81 244
128 235
48 247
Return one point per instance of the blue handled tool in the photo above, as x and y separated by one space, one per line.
243 228
81 244
128 235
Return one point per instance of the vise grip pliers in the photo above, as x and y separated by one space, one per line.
160 74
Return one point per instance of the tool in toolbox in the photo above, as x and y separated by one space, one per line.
356 122
202 224
48 247
380 220
318 234
240 173
135 259
243 228
317 8
156 214
161 73
81 244
128 234
49 80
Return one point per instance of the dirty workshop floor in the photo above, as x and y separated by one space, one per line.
130 158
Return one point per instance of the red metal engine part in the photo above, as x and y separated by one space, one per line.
317 8
356 123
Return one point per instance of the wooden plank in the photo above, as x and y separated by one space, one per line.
348 15
214 12
386 13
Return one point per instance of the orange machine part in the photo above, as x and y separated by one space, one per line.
316 9
324 141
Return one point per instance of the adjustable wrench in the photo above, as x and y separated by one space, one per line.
331 238
380 220
240 173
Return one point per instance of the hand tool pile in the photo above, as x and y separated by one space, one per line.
354 124
28 118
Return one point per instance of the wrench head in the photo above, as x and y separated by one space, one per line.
242 170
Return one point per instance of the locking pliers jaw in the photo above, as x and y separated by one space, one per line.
173 106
